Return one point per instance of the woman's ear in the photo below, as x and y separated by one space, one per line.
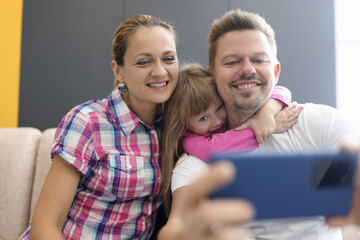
117 70
210 70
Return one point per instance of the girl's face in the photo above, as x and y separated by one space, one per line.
150 69
211 121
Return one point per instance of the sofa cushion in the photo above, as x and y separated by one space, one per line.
17 160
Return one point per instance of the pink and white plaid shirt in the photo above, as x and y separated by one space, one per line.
118 156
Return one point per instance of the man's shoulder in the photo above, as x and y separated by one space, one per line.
318 114
327 120
318 108
318 127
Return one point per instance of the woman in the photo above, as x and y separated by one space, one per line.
104 179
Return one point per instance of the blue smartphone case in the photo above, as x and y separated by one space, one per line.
292 185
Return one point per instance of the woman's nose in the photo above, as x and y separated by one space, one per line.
158 70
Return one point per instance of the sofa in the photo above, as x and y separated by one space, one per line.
24 163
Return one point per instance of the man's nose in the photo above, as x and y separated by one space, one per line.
247 67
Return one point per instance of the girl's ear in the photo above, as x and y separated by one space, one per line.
117 70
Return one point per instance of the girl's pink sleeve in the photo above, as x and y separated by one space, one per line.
231 141
282 94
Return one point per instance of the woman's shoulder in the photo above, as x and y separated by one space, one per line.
81 116
91 106
84 111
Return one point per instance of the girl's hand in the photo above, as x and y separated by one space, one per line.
287 117
263 122
270 119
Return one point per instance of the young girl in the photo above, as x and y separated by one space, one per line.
195 117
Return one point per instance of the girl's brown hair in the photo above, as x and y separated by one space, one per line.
129 27
193 95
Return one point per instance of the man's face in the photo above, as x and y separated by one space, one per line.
245 70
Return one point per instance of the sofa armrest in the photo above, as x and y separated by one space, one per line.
17 160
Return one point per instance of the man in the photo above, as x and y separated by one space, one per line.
242 57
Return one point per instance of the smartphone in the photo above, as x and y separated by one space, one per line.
292 185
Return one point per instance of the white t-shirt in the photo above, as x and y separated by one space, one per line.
319 127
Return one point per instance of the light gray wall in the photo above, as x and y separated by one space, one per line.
306 45
66 47
66 54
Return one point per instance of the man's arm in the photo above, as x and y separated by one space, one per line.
354 216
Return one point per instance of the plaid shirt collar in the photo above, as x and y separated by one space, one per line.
126 119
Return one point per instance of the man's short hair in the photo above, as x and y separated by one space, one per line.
238 20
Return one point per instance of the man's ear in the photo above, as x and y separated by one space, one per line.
117 70
277 72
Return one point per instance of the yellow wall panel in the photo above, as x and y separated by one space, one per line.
10 54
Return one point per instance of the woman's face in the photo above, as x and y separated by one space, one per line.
150 69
